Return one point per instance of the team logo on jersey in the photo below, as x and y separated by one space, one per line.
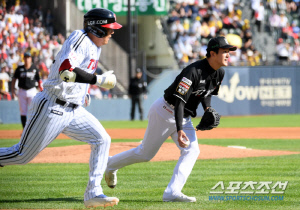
56 112
184 86
167 109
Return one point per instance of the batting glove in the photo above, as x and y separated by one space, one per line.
107 80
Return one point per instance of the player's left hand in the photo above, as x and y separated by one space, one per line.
183 140
87 100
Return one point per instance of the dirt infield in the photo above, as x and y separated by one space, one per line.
218 133
169 151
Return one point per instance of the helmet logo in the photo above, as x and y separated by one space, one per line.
93 22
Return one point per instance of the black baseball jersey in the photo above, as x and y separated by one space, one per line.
194 85
27 77
137 86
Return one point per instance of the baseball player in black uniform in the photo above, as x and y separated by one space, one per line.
137 89
171 115
28 78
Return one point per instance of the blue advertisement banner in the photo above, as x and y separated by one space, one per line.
258 90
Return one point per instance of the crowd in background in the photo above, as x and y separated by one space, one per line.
193 22
25 29
283 18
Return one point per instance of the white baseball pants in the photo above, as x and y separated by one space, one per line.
161 125
45 121
25 97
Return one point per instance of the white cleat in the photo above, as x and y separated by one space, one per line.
111 178
101 200
179 198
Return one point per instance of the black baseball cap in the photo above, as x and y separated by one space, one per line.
27 54
219 42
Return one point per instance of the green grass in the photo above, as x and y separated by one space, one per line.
226 122
140 186
261 121
264 144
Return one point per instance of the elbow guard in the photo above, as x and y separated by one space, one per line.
67 76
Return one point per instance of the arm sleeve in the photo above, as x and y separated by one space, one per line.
84 77
179 110
206 102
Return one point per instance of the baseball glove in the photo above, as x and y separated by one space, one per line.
209 120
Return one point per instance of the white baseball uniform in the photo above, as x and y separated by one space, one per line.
161 125
58 109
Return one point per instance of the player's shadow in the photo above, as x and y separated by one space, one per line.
69 200
143 201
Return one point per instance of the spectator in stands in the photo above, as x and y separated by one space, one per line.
283 19
196 27
176 29
254 7
287 32
274 20
297 47
4 79
12 60
282 50
272 4
281 5
243 57
295 29
173 17
247 39
25 9
95 92
38 14
259 16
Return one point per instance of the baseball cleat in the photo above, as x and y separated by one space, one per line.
180 198
101 200
111 178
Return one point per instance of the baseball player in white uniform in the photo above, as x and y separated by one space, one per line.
58 108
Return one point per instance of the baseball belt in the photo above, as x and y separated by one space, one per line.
63 103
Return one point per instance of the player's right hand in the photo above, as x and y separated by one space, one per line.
183 140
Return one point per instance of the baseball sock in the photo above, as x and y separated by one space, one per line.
23 120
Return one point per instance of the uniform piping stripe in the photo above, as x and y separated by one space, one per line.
79 41
14 154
